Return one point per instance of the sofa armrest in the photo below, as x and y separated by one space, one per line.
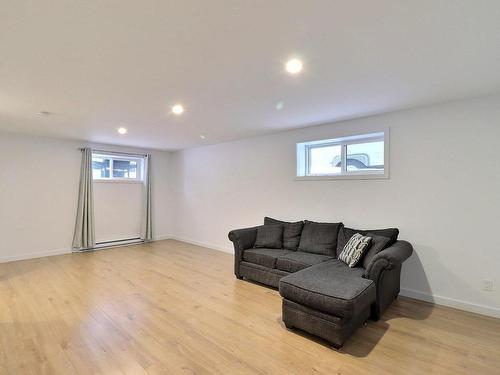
388 259
242 239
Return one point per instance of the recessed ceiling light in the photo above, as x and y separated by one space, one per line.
178 109
43 113
294 66
202 136
122 131
280 105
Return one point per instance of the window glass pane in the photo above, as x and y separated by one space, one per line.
324 160
124 168
100 167
365 156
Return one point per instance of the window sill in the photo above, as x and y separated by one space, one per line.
384 176
118 181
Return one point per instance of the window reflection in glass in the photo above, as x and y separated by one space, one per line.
365 156
320 160
100 167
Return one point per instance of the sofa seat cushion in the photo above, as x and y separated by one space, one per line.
264 257
299 260
331 287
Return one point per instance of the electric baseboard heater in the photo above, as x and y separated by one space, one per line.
123 242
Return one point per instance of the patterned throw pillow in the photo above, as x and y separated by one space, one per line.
354 249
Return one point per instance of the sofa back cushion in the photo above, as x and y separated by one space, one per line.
378 243
319 238
269 236
345 235
291 232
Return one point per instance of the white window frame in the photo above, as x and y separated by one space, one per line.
303 150
112 156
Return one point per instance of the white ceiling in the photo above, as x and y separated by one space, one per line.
99 65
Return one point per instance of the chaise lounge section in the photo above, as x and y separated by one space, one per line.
322 295
327 300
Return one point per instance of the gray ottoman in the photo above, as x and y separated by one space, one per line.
329 300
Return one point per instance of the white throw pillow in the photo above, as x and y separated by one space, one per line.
354 249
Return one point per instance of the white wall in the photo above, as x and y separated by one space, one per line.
39 189
443 194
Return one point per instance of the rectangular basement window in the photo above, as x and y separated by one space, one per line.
362 156
117 168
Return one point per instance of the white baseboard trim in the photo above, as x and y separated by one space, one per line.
162 237
41 254
451 302
203 244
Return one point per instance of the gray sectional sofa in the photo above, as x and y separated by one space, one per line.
321 294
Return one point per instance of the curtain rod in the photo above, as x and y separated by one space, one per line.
117 152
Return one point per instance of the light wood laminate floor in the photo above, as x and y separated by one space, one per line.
174 308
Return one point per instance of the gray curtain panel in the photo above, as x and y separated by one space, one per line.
147 219
84 237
